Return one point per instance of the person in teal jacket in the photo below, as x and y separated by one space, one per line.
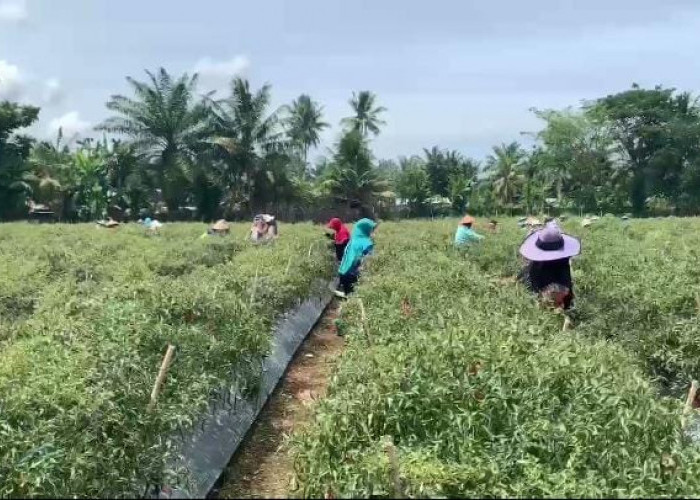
465 234
360 245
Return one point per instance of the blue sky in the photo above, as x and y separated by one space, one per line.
459 74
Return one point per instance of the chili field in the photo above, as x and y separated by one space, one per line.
86 315
455 383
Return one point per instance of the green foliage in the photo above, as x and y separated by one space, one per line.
166 123
657 132
14 152
483 393
352 177
85 317
413 184
442 166
503 167
636 150
459 189
304 124
366 116
243 135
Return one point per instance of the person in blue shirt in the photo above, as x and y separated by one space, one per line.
465 234
360 245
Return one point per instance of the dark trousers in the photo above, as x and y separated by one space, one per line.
347 283
340 250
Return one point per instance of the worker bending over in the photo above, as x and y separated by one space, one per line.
361 245
548 270
465 234
264 228
340 238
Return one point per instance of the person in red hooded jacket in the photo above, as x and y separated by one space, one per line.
341 237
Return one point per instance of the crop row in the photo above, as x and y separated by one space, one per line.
85 317
477 392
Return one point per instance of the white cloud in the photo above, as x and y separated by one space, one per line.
11 85
53 92
13 11
71 124
217 74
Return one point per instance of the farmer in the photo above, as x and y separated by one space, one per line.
264 228
493 226
110 223
547 271
465 234
360 245
340 238
152 225
220 228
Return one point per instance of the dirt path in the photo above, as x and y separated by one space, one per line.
262 467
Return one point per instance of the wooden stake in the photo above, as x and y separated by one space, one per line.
167 359
390 450
689 401
365 327
567 323
254 289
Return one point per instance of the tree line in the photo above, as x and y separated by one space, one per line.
176 154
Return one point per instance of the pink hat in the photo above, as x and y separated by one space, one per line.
549 244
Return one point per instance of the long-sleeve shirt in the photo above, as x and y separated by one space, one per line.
466 235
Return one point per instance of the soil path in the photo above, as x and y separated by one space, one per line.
262 467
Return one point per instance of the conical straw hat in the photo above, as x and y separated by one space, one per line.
221 225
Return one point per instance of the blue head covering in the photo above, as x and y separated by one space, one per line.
360 245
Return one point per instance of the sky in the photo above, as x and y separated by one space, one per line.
458 74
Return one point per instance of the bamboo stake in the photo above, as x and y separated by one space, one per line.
365 327
390 450
255 286
167 359
689 401
567 323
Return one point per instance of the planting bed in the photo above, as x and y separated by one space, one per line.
455 383
85 318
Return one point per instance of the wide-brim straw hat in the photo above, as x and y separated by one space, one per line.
467 219
221 225
111 223
548 244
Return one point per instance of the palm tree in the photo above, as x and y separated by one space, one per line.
412 184
53 175
460 187
14 151
304 124
503 166
531 169
166 123
352 179
247 142
15 178
90 167
366 118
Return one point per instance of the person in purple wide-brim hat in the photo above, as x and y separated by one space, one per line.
548 269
